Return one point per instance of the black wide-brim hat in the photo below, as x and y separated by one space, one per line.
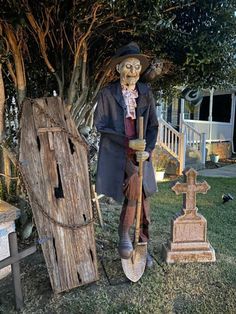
130 50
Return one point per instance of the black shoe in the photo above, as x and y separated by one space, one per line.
149 261
125 247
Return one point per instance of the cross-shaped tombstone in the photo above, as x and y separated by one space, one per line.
188 228
14 260
190 188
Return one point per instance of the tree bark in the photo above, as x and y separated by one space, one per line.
2 105
7 169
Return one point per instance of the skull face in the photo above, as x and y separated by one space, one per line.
129 70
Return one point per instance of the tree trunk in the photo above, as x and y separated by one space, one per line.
7 170
2 105
6 163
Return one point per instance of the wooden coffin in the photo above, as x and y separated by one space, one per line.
54 166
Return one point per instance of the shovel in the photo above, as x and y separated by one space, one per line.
134 266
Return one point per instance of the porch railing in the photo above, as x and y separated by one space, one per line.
172 141
215 131
176 143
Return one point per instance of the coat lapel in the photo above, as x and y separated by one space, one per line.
117 93
142 104
142 100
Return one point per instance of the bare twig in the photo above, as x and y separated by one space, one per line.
42 43
68 42
84 66
41 36
179 7
9 177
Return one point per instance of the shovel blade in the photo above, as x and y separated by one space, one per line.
134 266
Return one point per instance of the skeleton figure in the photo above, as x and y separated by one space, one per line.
119 106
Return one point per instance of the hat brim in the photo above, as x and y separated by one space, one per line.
142 58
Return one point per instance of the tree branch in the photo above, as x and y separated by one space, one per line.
42 43
41 37
72 89
18 60
95 9
79 103
12 74
84 66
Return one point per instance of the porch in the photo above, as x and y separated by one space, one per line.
215 116
210 128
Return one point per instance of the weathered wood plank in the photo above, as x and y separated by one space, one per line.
8 212
59 182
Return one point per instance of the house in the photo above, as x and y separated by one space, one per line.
191 134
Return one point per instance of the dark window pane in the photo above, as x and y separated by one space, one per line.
204 109
221 108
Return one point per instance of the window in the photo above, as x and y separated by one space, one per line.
221 111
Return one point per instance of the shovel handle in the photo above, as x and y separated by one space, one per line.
140 128
139 203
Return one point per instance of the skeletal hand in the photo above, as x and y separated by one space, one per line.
138 145
142 156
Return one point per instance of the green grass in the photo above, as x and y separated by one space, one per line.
180 288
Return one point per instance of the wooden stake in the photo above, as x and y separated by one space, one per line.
95 199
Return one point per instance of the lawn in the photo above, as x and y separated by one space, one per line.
181 288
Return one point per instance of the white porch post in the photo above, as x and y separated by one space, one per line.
160 127
181 119
159 111
210 113
203 148
182 150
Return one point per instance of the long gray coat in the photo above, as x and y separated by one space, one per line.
109 121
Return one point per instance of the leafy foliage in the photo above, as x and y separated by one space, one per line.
199 38
67 45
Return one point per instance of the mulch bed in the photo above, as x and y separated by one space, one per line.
221 163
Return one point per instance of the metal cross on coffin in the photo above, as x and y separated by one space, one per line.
190 188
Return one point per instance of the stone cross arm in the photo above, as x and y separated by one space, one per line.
190 188
180 188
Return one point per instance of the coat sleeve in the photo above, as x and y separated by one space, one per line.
152 125
101 121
